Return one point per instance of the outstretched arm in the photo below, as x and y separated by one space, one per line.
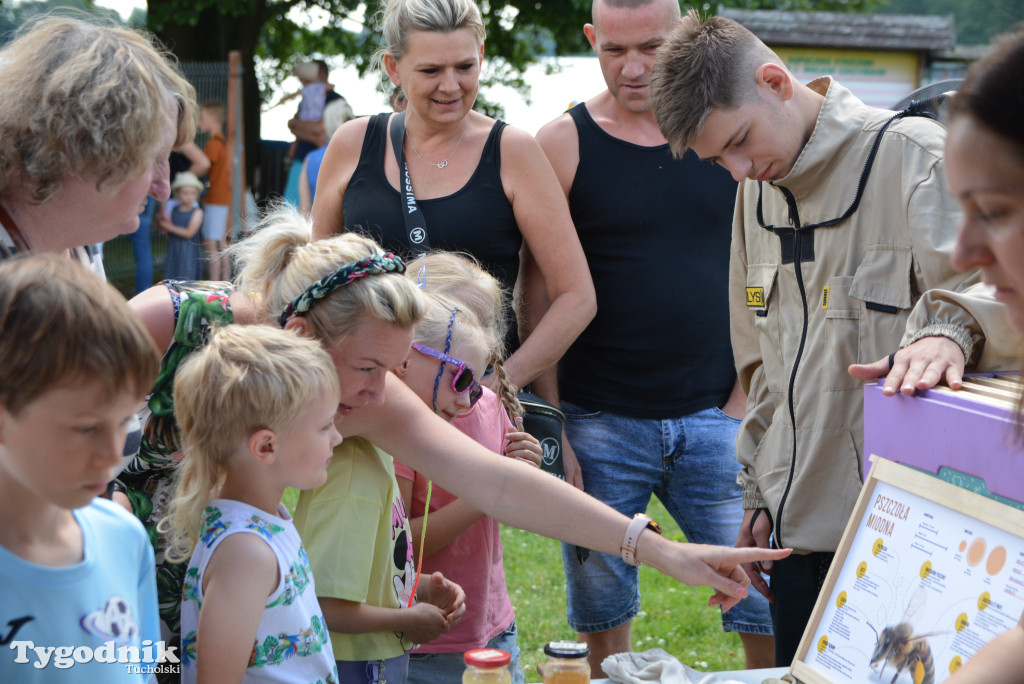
445 524
523 496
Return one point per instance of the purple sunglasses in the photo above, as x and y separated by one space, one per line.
463 381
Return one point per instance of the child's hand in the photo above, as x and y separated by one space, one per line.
424 622
524 447
446 595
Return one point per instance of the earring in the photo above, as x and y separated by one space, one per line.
403 367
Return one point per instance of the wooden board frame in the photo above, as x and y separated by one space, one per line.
957 499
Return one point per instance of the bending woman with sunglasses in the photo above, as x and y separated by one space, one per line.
343 292
461 541
360 510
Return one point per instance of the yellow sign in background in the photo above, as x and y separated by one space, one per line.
877 77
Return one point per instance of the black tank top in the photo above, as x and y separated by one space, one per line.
477 218
656 232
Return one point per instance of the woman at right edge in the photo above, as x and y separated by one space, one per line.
985 168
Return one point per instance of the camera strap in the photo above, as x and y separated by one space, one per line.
415 222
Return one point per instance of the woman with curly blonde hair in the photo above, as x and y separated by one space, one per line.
90 113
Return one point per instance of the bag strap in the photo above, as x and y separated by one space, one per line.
415 223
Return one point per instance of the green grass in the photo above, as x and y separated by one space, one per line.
675 617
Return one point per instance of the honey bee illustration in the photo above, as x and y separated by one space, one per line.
897 645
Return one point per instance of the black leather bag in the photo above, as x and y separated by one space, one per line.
545 421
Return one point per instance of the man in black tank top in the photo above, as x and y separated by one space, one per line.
649 389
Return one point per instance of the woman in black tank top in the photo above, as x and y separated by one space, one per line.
482 187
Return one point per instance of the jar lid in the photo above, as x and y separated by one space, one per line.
487 658
567 649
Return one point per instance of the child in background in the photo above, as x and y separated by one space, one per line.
184 260
217 202
256 410
311 109
313 93
356 530
460 540
336 113
76 571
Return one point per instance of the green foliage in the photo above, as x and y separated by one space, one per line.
13 15
977 21
519 33
802 5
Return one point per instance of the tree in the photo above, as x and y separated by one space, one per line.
13 15
977 21
519 32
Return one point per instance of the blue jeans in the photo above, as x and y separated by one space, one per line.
447 668
689 463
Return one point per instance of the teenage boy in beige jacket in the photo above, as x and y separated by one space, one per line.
833 258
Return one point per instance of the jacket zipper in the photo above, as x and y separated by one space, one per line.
798 234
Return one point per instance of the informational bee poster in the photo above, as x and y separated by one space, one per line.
926 574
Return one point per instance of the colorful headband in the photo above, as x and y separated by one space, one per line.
371 265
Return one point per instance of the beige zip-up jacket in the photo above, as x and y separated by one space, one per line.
857 284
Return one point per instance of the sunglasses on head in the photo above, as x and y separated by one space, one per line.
463 381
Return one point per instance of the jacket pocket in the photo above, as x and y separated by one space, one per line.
882 288
842 334
762 302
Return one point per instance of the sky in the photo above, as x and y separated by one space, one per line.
123 7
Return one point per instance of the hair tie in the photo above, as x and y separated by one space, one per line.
374 264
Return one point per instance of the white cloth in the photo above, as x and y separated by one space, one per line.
655 665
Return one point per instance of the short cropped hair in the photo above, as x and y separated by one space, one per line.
215 107
246 378
628 4
86 99
707 63
399 17
61 325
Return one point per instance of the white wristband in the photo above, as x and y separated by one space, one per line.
637 525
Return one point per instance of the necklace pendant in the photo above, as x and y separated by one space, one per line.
442 164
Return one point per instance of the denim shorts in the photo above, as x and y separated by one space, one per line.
447 668
689 463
